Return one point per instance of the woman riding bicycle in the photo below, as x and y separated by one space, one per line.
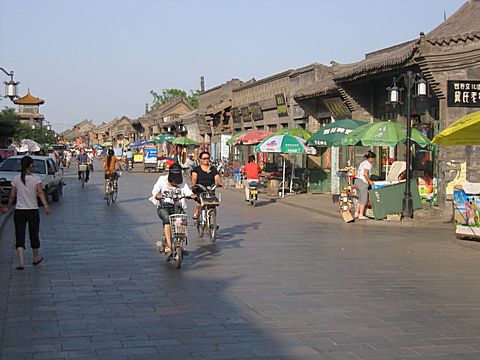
206 175
111 165
165 204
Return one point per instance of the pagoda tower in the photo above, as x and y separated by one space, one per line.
29 109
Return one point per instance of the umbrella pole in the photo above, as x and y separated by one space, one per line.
283 180
291 175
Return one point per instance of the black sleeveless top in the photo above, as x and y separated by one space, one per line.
205 178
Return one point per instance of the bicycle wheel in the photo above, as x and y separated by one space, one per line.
83 178
212 226
178 257
200 225
109 193
114 194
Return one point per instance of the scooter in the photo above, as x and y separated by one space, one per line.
178 226
253 191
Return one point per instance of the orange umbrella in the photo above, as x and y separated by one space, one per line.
252 137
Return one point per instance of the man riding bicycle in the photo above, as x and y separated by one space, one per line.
111 165
129 158
205 174
82 159
165 204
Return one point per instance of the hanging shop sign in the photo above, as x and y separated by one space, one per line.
281 105
463 93
245 113
237 118
256 111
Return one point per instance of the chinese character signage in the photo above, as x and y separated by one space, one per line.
463 93
281 105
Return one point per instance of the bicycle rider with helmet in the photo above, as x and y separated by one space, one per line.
111 165
206 175
165 205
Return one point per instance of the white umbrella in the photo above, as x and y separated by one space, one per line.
30 145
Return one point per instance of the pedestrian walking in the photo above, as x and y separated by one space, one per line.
25 188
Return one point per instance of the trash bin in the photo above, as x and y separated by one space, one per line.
272 187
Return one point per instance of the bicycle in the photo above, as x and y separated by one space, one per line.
111 191
207 219
178 226
82 168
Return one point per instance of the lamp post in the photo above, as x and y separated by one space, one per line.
41 129
10 86
394 97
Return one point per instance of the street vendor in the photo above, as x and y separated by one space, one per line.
362 182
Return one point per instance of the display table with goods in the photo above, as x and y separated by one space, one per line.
348 194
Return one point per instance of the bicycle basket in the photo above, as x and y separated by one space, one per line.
178 222
207 198
82 167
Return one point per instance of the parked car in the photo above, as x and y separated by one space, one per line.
43 166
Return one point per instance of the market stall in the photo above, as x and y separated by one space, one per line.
466 195
386 196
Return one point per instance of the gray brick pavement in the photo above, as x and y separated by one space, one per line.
281 283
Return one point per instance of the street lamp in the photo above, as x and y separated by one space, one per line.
394 97
10 86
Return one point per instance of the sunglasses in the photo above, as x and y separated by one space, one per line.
205 158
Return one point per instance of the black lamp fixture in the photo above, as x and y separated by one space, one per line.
395 97
10 86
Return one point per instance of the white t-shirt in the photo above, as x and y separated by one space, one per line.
26 193
364 165
162 185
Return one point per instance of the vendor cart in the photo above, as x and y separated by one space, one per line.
150 158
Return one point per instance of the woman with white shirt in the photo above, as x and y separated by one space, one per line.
362 182
25 188
165 205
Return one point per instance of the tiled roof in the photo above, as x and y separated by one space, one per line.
323 87
463 25
28 100
378 61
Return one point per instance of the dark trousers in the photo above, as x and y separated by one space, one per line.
87 175
21 218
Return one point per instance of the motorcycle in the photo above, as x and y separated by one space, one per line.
299 183
253 191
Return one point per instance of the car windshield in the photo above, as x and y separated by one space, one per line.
14 166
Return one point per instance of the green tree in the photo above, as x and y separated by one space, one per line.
168 94
8 122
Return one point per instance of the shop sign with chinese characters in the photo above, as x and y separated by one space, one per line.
463 93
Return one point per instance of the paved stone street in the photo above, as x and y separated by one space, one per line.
281 283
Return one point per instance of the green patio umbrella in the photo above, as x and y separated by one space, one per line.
160 139
182 141
234 137
298 132
330 133
383 133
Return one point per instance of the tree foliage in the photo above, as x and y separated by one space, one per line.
168 94
25 131
8 123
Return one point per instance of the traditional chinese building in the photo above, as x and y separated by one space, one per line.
448 57
29 109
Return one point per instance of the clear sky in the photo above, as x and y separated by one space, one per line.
99 59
